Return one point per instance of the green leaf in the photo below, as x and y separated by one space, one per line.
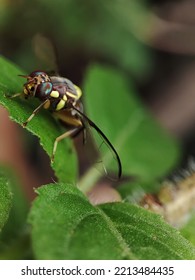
43 125
5 199
19 210
145 149
66 226
14 239
188 231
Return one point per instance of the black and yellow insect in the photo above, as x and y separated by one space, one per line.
62 98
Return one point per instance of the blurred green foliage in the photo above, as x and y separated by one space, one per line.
80 31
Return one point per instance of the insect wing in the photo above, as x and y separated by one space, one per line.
106 159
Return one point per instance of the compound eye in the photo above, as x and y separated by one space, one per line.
43 90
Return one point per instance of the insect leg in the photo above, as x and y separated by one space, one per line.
68 133
34 113
84 133
81 128
13 96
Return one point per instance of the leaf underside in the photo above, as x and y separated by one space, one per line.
5 199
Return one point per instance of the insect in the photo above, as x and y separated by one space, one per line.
62 98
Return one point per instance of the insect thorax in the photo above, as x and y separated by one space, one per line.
63 93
